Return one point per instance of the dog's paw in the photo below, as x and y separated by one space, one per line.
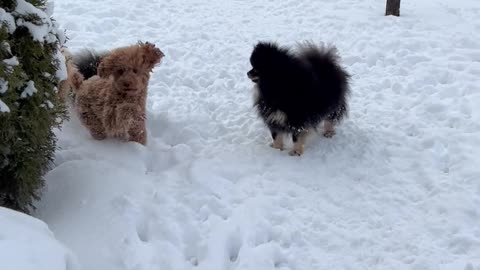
296 152
138 134
276 146
329 133
97 135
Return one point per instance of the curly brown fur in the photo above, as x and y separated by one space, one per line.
112 104
74 78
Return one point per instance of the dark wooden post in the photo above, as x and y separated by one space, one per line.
393 8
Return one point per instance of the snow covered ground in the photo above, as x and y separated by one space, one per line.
26 243
398 187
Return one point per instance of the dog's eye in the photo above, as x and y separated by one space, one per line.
120 72
135 71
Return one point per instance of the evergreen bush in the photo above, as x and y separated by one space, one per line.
31 67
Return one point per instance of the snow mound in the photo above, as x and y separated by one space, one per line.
26 243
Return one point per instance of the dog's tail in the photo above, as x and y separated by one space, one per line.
87 62
324 61
74 79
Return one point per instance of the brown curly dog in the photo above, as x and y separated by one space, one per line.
112 103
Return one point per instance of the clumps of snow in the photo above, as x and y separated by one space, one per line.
11 61
61 73
3 86
38 32
29 90
62 38
6 47
48 104
45 30
3 107
7 19
27 243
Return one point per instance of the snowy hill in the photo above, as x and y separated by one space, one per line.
398 187
27 243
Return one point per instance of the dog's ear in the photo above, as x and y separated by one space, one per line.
104 69
152 55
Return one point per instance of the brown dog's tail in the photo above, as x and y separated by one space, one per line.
74 78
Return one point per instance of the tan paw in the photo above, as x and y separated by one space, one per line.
276 146
296 152
98 135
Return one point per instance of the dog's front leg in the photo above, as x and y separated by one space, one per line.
138 130
328 128
299 138
277 138
93 123
118 119
110 119
126 114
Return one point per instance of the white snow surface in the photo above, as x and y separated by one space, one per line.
398 187
26 243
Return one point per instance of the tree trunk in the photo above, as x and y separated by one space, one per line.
393 8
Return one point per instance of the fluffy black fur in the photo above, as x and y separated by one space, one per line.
87 62
307 86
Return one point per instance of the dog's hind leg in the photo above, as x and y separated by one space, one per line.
277 140
299 139
328 128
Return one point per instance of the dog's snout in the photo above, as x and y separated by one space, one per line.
252 75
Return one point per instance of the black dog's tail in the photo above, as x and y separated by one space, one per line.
324 61
87 62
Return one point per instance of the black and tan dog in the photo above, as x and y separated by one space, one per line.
296 92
